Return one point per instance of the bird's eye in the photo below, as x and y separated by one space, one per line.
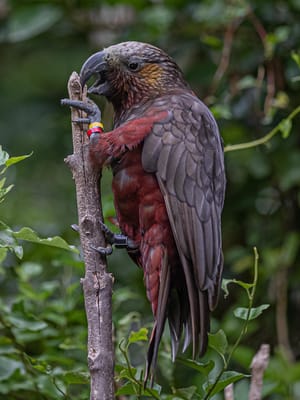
133 66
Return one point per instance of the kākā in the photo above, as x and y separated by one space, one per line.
166 156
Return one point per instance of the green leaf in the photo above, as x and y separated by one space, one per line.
125 373
296 58
8 367
227 378
27 22
218 342
282 33
15 160
127 389
211 40
26 324
134 387
121 295
186 393
7 348
29 235
38 365
18 250
155 389
221 111
285 127
76 377
242 312
4 191
28 270
70 343
226 282
8 241
2 182
246 82
4 156
3 253
203 368
141 335
129 318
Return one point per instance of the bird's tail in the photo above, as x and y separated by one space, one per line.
160 319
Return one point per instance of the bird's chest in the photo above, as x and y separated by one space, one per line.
138 200
135 192
127 179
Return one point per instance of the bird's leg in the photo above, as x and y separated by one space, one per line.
117 239
93 119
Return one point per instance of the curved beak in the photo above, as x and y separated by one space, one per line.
95 65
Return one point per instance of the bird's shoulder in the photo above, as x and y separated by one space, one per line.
189 123
186 146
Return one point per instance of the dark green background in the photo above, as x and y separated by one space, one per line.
41 43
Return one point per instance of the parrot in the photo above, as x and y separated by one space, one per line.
167 160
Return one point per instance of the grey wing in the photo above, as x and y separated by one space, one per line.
186 154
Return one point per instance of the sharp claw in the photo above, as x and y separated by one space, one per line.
82 120
65 102
118 239
110 236
89 107
104 227
73 103
75 227
105 251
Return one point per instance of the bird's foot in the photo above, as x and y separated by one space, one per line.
117 239
89 107
105 251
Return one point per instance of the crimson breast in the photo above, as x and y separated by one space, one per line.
138 200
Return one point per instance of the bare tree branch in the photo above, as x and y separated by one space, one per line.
228 392
225 55
282 326
97 283
259 364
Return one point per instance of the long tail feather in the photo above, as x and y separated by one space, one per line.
164 291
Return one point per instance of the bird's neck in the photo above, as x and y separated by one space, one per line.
130 105
123 113
134 104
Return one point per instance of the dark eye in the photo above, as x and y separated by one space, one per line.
133 66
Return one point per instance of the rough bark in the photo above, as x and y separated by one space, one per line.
97 283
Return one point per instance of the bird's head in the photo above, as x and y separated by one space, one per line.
131 72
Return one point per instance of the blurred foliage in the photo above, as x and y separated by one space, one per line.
242 58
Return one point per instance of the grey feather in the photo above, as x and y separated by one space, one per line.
189 166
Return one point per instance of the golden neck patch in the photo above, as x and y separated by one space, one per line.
152 74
